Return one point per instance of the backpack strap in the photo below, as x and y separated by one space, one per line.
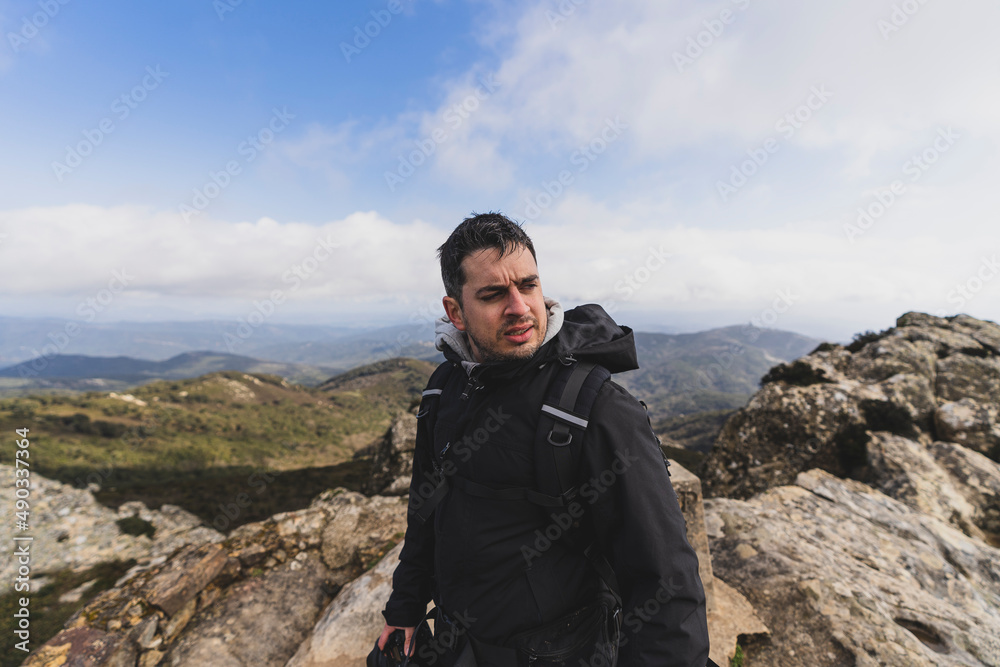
434 388
562 425
559 444
429 400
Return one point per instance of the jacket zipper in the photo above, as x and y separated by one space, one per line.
473 385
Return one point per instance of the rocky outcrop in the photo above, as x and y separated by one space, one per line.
889 409
392 458
899 565
71 530
844 575
247 599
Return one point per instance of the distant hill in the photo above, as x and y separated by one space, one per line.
82 372
718 369
356 349
22 339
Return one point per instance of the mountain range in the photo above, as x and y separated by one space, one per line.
679 374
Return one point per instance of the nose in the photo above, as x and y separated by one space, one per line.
516 305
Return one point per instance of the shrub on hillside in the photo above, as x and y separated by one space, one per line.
797 373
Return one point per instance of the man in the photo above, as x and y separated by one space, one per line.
500 586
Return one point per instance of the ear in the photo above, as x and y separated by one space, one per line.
454 312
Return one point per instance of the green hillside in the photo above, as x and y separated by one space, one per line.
218 424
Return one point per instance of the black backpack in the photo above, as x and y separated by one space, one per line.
559 439
563 421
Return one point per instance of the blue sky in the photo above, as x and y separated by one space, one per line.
686 164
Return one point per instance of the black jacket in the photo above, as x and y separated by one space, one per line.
473 555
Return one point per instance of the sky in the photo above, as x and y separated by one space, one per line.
817 167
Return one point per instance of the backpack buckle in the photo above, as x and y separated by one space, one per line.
567 434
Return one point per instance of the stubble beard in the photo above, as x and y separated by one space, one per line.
491 353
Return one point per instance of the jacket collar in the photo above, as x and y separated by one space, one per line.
455 343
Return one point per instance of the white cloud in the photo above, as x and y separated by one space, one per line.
619 58
73 250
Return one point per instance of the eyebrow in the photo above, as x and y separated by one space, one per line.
482 291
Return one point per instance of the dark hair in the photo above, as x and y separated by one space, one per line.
478 232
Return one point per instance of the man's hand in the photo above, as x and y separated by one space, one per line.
407 634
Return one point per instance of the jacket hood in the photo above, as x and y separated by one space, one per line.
586 332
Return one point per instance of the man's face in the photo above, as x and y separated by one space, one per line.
503 311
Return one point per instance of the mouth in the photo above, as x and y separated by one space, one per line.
520 335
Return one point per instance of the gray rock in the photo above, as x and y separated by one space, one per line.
259 621
347 630
845 575
968 423
360 531
688 490
72 530
392 460
962 375
978 479
84 647
908 471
